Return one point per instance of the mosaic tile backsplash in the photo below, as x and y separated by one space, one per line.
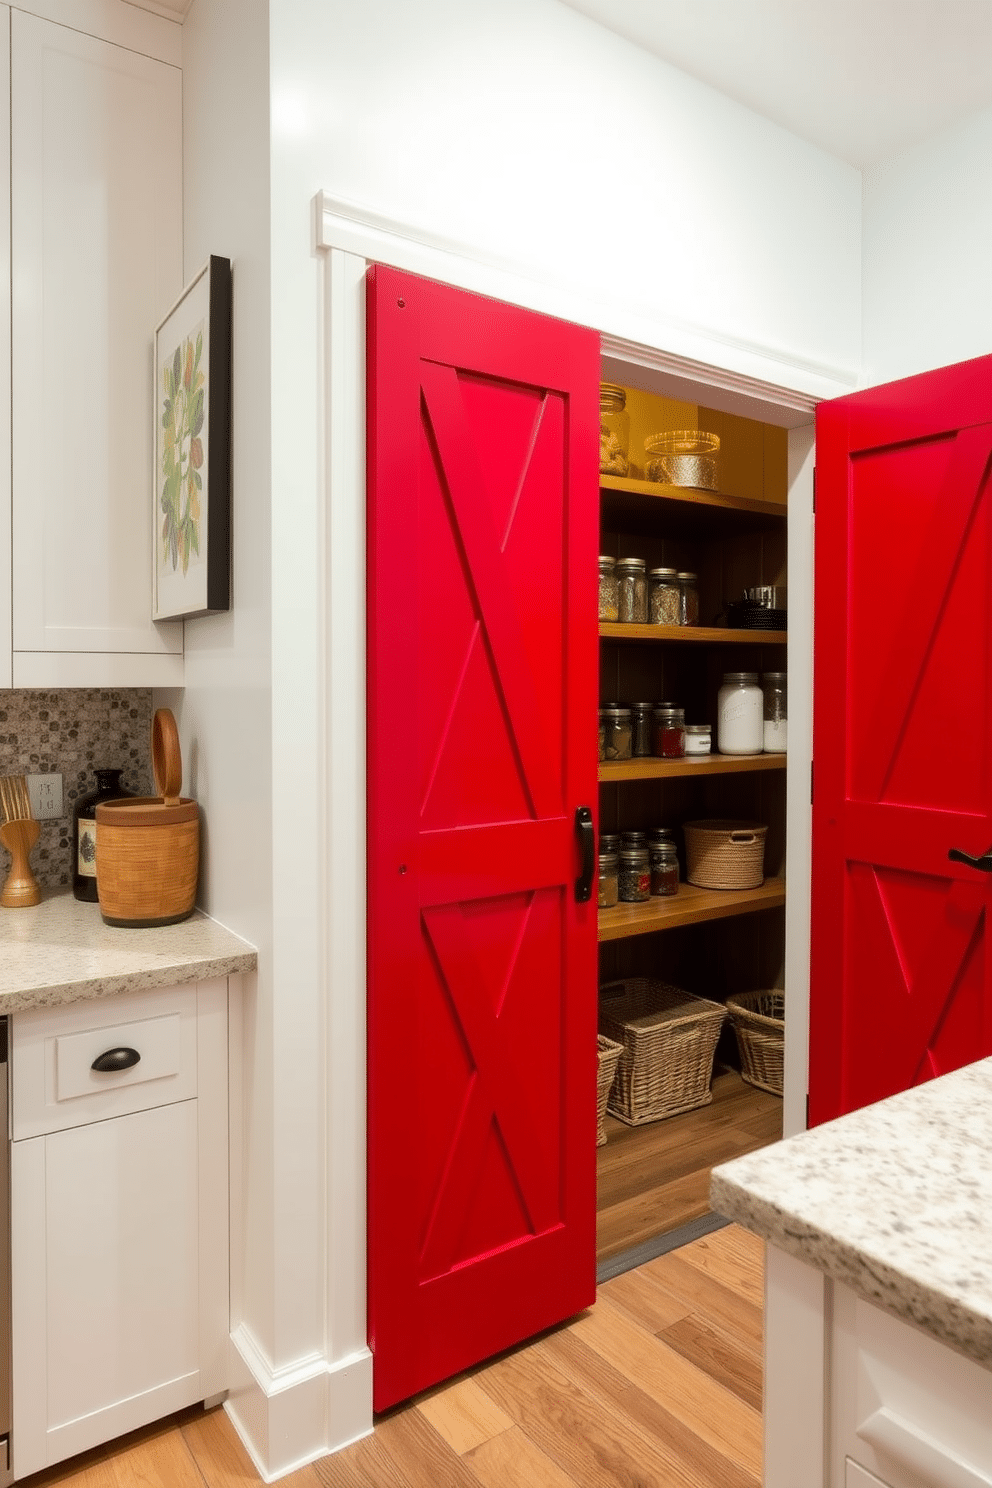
74 732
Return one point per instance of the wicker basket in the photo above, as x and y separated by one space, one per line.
759 1023
725 854
609 1053
669 1040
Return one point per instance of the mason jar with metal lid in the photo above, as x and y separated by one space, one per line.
632 591
664 597
664 869
617 733
660 834
688 599
609 842
634 875
669 731
643 746
698 738
614 429
739 709
609 889
607 587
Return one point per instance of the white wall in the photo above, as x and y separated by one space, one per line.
523 128
225 711
516 128
927 251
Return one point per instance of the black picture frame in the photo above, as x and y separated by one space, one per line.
191 488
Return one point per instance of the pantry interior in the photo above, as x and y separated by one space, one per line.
712 943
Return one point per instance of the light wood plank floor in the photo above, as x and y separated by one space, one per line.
656 1177
656 1386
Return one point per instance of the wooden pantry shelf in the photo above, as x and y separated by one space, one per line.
690 906
611 630
700 764
691 496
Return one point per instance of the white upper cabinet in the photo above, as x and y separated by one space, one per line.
5 557
96 249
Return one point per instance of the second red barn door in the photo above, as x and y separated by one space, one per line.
482 695
901 974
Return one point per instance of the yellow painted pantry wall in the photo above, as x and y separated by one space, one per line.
753 457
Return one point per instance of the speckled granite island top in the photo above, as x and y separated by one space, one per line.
894 1201
60 951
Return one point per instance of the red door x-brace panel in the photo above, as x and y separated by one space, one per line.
902 739
482 658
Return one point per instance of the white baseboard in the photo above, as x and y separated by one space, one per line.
290 1416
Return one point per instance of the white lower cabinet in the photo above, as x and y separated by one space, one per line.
857 1398
119 1217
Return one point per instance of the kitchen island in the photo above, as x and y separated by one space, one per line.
119 1172
878 1319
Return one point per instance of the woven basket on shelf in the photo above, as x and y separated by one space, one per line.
609 1053
669 1040
759 1023
725 854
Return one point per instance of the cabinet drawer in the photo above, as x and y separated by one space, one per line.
905 1407
53 1080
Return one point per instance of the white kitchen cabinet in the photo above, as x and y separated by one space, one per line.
119 1202
96 261
857 1398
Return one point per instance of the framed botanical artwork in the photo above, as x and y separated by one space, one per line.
191 569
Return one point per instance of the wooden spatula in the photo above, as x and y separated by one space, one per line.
19 833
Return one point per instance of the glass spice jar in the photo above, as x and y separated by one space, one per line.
661 834
669 731
618 735
634 885
609 842
632 591
607 587
739 709
643 746
664 597
775 711
614 430
609 888
602 734
698 738
688 599
664 869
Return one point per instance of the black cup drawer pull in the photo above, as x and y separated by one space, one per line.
983 864
114 1060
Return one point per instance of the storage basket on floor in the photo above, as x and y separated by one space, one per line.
725 854
669 1040
609 1053
759 1023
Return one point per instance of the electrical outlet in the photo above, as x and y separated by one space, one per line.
45 792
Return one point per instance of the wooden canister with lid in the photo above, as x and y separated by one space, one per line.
148 847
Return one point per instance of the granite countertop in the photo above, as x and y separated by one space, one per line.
894 1201
60 951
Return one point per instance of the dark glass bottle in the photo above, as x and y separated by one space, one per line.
84 832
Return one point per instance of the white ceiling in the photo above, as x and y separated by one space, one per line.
863 79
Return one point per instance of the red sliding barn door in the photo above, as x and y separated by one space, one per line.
482 665
902 744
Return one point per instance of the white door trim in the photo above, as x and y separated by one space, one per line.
347 243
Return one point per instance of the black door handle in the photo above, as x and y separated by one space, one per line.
587 847
983 864
115 1060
